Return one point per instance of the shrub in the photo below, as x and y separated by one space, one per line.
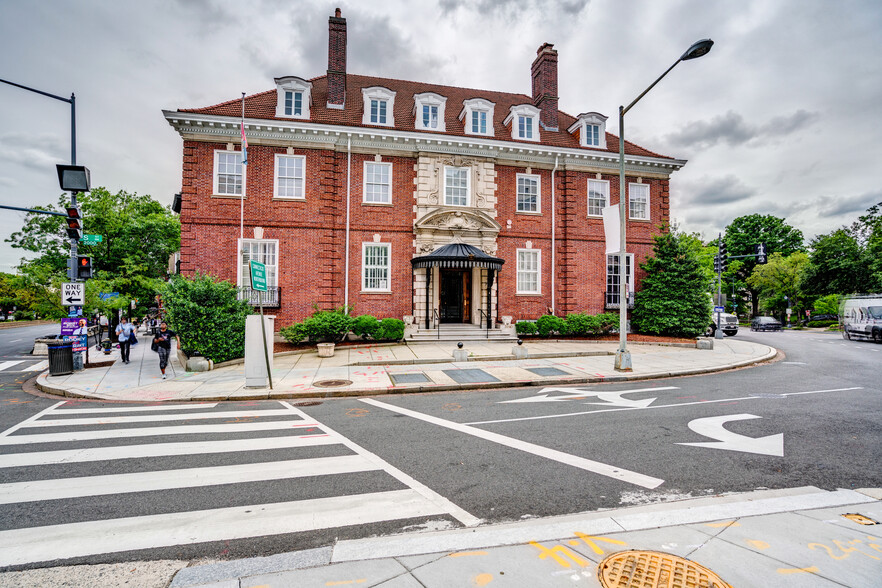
365 326
607 322
390 329
816 324
207 315
294 334
328 325
548 324
525 328
579 324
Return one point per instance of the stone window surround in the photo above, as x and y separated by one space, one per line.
293 84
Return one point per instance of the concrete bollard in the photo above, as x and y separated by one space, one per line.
460 354
704 344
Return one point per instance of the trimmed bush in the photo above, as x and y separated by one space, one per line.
207 315
607 322
547 324
816 324
580 324
294 334
328 325
390 329
365 326
525 328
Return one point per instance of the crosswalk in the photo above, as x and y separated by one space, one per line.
24 365
129 478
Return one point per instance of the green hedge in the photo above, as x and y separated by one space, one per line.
525 328
815 324
576 324
333 325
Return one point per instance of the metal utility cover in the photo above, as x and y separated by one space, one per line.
472 376
414 378
547 372
654 569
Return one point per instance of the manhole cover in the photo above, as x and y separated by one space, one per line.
860 519
653 569
332 383
307 403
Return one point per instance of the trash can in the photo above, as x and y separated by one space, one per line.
60 359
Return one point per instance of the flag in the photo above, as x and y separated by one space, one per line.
244 145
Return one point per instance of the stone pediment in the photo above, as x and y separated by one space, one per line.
458 220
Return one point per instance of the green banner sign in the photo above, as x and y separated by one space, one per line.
258 276
91 239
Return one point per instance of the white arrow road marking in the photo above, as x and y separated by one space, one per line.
559 456
713 427
607 398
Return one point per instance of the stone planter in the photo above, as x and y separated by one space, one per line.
325 349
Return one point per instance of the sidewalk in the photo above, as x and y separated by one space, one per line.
780 538
399 368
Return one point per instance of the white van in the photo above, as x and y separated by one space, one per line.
861 317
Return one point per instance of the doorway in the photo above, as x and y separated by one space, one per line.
455 296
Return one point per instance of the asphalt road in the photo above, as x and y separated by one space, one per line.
438 460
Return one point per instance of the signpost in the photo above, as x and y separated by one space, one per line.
719 309
91 239
258 283
73 294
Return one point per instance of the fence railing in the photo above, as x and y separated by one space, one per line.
612 299
272 298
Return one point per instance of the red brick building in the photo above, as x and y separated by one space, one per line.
354 184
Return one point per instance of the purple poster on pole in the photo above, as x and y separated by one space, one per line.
69 325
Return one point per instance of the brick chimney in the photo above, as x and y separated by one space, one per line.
336 60
544 72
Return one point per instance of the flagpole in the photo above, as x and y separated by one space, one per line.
244 167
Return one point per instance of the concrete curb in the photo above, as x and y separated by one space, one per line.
265 394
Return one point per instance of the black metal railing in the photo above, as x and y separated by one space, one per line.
436 318
272 298
612 299
485 319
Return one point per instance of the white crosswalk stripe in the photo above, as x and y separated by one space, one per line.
63 442
8 364
37 367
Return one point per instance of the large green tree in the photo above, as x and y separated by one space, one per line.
836 265
777 283
745 232
138 236
673 298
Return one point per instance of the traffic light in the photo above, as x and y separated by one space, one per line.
724 258
84 267
74 222
760 251
717 266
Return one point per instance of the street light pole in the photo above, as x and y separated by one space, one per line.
623 356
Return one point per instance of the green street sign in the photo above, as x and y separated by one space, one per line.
91 239
258 276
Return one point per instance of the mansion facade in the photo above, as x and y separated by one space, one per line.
402 198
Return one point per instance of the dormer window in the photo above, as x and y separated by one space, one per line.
477 117
378 106
293 97
428 110
591 129
524 120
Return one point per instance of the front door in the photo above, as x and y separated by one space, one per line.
455 296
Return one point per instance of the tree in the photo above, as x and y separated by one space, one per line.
138 237
207 315
777 281
745 232
673 298
836 265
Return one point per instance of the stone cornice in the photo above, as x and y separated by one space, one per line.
225 129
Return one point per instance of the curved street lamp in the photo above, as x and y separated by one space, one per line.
623 356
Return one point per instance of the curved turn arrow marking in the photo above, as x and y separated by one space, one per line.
713 427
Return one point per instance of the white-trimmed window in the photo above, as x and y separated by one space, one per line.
477 116
229 178
524 119
428 110
293 97
591 127
612 278
376 260
378 106
528 193
266 252
529 268
598 196
456 186
289 176
638 201
377 182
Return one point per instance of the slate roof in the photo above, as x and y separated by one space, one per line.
263 106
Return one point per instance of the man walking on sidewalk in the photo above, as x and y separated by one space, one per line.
162 341
124 332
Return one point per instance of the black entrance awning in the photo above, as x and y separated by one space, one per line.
458 255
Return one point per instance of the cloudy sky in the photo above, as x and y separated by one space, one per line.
782 117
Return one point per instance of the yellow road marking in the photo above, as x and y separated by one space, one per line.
466 553
589 540
810 570
757 543
726 524
483 579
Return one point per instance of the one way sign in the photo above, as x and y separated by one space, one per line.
73 294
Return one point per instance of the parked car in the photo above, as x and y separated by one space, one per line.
823 317
862 317
728 324
765 323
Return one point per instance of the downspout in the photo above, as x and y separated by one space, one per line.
346 249
553 248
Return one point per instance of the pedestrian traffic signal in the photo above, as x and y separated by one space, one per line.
84 267
760 252
74 222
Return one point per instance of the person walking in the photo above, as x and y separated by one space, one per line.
162 341
124 332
